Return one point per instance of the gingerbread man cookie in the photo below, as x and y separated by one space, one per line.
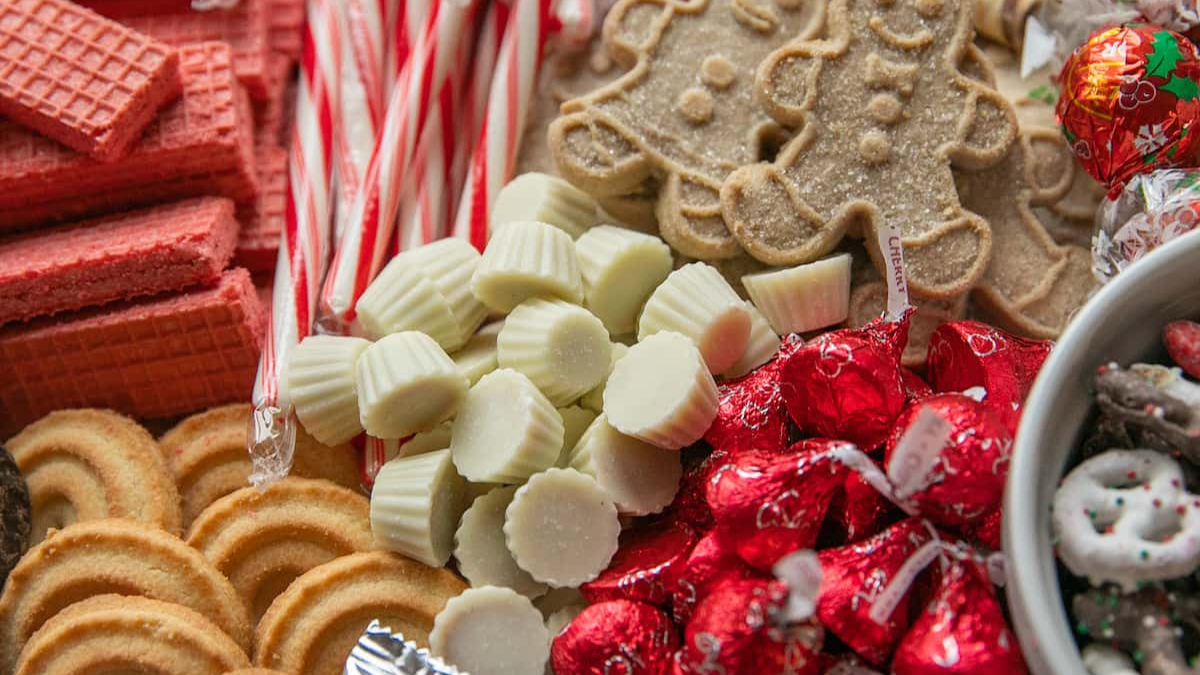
883 110
685 111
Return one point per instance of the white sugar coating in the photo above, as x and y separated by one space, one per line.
506 430
437 438
620 269
562 527
416 505
482 554
594 399
560 347
450 264
576 419
544 198
640 478
491 631
401 299
527 259
478 357
696 302
320 380
407 383
803 298
661 392
760 348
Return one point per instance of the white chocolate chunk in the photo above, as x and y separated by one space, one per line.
661 392
696 302
478 357
481 552
547 199
561 347
491 631
320 380
561 619
406 384
640 478
437 438
506 430
562 527
416 505
450 264
559 598
594 399
803 298
620 269
401 299
762 346
576 420
527 259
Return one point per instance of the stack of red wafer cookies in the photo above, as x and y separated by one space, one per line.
142 183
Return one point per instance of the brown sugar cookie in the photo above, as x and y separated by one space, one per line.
869 300
254 671
1032 285
263 540
883 110
207 454
112 556
685 111
313 625
90 464
128 634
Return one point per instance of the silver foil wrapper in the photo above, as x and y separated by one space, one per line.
379 651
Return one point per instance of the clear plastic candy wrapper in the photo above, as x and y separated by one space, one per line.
1153 209
272 435
379 651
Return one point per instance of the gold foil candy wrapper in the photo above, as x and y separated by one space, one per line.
379 651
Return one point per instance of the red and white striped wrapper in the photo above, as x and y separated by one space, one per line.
304 249
360 251
513 84
364 40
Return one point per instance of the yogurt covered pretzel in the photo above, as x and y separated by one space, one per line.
1138 622
1125 516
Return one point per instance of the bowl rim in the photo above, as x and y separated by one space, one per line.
1034 592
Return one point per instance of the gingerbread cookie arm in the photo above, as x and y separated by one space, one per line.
689 218
633 27
595 156
1138 621
1050 165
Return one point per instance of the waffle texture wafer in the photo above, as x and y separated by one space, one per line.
263 220
287 17
268 113
86 81
93 262
120 9
245 27
200 144
162 357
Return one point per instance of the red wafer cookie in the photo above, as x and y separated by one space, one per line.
200 144
287 18
268 114
262 222
79 78
244 27
157 358
162 248
119 9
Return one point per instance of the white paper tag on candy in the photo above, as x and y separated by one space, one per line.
917 453
802 573
888 235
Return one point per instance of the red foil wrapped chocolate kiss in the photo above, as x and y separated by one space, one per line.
708 566
750 414
620 637
646 566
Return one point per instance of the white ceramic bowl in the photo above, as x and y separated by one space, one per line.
1121 323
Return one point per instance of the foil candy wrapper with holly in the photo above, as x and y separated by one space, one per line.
379 651
1153 209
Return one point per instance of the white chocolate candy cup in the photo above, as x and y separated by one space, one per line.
406 384
761 347
594 399
576 420
402 299
437 438
696 302
560 347
562 528
482 554
803 298
639 477
547 199
478 357
416 505
620 269
491 631
527 259
506 430
661 392
559 598
321 383
450 263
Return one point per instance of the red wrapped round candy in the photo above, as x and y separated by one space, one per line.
914 385
750 413
739 630
948 457
646 566
708 565
690 508
848 383
858 511
1130 97
621 636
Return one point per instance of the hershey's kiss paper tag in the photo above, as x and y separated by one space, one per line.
801 571
917 452
888 237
